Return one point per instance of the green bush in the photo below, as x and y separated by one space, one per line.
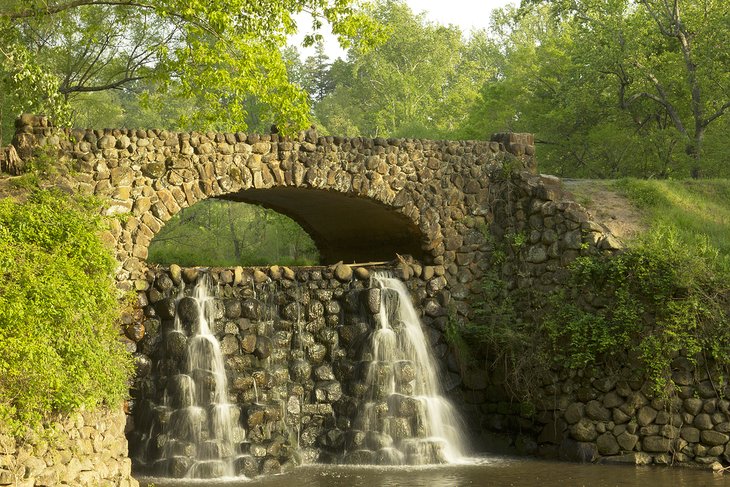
59 338
659 299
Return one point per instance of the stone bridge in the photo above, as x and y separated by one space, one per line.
460 209
444 203
446 212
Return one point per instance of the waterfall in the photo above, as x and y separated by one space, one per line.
404 417
311 378
200 438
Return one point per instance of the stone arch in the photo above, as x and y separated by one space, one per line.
431 199
344 228
406 194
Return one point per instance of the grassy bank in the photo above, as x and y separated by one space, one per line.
697 211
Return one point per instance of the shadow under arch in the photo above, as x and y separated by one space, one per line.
345 228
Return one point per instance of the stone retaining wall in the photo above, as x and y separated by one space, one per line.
87 448
611 416
468 200
457 197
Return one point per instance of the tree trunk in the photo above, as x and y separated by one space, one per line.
695 151
10 162
232 228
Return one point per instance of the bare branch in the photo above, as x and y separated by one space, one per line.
110 86
62 7
662 28
719 113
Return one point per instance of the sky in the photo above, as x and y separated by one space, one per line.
467 14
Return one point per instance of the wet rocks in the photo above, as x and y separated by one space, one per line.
343 272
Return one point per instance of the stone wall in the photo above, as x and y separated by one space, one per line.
292 341
463 198
85 449
611 416
592 415
456 195
468 201
147 176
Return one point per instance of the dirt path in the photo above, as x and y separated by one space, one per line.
607 206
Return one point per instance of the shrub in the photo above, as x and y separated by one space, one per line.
659 299
59 339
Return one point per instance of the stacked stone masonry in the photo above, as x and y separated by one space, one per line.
88 449
466 198
454 192
612 417
294 343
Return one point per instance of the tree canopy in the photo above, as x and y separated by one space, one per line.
418 81
614 88
617 88
213 57
610 88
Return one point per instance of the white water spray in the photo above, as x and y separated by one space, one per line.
202 432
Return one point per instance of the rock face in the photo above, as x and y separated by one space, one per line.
613 417
90 450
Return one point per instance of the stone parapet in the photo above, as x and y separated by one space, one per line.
520 145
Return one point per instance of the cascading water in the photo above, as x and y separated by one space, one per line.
201 435
312 378
405 418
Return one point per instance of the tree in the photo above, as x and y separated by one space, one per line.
665 59
606 90
415 83
316 74
217 53
242 234
699 32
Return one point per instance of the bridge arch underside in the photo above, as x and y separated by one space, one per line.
344 227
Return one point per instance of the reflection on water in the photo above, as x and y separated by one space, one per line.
479 472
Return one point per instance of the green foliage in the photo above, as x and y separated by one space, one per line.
220 59
501 333
418 82
224 233
24 85
666 295
698 211
612 89
657 300
59 341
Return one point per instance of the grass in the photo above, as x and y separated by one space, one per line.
697 211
